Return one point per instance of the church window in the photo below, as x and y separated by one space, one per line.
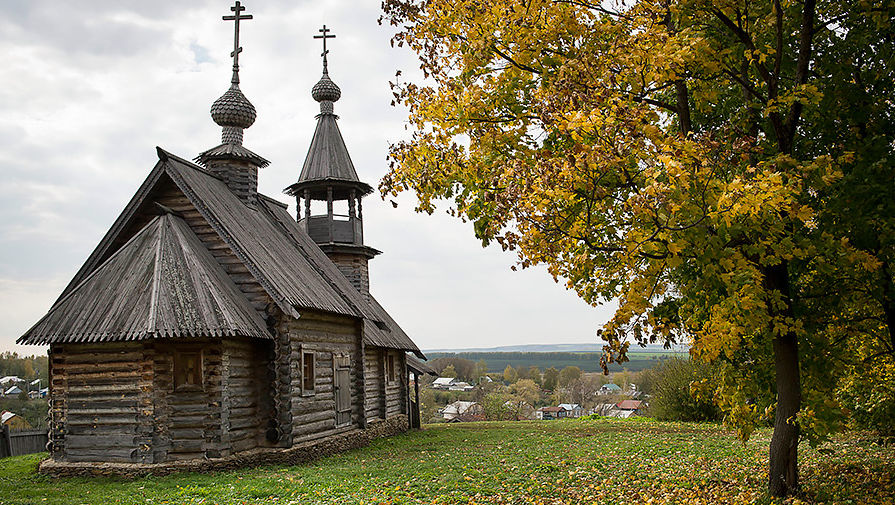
307 373
390 374
187 370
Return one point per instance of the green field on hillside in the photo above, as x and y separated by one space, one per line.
603 461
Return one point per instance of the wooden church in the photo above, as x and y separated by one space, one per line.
209 323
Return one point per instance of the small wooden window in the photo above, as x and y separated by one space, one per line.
187 370
390 374
307 373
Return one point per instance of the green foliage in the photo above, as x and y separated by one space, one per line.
534 373
673 398
527 391
870 397
26 367
460 368
551 378
600 462
569 374
509 375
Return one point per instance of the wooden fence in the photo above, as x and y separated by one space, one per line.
16 443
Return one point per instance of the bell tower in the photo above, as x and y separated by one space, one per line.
328 175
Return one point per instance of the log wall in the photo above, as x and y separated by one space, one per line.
188 419
99 410
374 384
245 398
117 401
314 414
384 398
396 389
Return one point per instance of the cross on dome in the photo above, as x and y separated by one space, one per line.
325 91
325 35
233 111
236 18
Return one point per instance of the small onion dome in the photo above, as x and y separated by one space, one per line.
326 90
233 109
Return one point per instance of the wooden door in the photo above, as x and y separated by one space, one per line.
342 388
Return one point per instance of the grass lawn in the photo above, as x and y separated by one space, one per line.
543 462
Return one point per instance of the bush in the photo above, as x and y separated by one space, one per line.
869 397
672 399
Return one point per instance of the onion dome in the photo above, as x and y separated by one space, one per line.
233 109
326 90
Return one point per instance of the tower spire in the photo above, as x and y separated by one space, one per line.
328 175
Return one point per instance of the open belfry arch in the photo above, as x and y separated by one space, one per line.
210 328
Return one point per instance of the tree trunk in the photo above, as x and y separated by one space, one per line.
783 467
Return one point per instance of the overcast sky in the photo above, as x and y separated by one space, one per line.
87 90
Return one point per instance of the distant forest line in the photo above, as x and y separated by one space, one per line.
586 361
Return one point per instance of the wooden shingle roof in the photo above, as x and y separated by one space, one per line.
327 161
279 254
162 283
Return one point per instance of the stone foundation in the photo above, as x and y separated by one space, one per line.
299 453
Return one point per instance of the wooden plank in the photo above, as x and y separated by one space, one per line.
99 420
304 429
105 440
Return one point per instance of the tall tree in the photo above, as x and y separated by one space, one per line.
551 378
509 374
534 373
569 374
722 168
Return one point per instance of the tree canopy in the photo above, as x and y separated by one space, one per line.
723 169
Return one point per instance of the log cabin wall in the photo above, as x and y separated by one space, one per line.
101 409
396 386
246 405
188 416
374 387
314 410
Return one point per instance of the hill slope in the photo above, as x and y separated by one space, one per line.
551 462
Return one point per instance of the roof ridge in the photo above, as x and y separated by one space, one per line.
273 200
151 323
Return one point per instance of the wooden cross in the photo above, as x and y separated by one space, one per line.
237 17
325 36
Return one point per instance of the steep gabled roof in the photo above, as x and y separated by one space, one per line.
280 255
162 283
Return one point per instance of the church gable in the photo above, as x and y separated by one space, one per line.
162 283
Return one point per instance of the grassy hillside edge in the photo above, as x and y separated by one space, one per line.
569 461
